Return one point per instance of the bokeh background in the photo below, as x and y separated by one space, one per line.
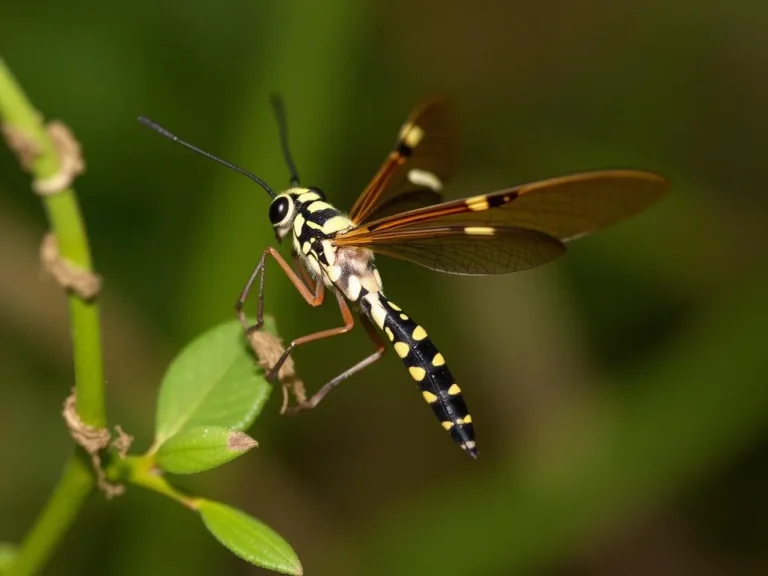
619 395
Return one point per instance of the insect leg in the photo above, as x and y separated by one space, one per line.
349 322
367 361
313 297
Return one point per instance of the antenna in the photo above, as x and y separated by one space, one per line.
282 127
157 128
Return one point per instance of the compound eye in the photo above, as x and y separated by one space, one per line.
279 210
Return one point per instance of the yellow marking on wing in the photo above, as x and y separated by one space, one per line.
377 276
429 397
389 333
411 134
480 230
401 348
425 178
477 203
447 424
438 360
306 247
419 334
454 390
417 373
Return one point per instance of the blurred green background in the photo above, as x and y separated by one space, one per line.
619 395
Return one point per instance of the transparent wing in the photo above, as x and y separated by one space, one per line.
423 160
564 208
470 251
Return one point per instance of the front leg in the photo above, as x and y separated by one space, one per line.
312 297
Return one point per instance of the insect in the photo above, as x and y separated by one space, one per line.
401 214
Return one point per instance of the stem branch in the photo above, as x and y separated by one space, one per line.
19 116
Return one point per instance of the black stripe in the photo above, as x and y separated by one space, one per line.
403 149
496 200
437 380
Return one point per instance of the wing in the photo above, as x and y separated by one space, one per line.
423 160
564 208
512 229
470 251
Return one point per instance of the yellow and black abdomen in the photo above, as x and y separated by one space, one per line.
427 366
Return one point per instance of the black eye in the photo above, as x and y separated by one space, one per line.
279 210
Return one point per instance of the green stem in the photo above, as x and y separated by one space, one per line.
142 471
18 115
69 495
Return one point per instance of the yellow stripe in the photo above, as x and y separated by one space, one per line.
477 203
308 197
389 334
298 223
318 205
335 224
480 230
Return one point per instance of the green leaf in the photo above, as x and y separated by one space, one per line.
8 554
198 449
248 538
214 381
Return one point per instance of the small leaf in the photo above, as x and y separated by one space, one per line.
199 449
249 538
214 381
8 553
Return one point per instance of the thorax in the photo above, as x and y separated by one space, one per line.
348 269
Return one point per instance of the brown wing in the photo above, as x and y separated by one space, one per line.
470 250
423 160
564 208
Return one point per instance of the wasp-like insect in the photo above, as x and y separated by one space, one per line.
401 214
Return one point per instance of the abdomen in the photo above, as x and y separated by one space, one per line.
426 366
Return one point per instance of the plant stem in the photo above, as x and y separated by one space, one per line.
142 471
61 509
18 114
